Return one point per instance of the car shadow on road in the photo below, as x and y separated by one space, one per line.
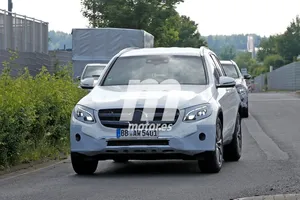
148 168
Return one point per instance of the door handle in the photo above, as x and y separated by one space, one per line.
228 89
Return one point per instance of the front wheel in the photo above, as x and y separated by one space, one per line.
83 167
245 112
233 151
213 160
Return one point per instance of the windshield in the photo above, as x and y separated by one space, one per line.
230 70
93 71
186 70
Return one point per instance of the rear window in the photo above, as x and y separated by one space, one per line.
187 70
230 70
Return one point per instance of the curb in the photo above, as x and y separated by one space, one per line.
273 197
30 167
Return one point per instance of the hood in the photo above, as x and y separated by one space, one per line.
103 97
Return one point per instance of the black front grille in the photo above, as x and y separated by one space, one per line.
111 117
137 142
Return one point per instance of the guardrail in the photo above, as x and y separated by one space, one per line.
22 33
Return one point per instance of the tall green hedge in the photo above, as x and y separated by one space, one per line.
35 114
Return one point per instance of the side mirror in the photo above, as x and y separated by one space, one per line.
247 76
78 77
87 83
226 82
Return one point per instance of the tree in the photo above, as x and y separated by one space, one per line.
273 60
228 53
286 45
244 60
189 35
161 20
289 42
258 69
268 46
168 33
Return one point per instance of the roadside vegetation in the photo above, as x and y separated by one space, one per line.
35 113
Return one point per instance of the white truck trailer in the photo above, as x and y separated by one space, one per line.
99 45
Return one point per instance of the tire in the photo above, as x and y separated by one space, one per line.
245 112
233 151
213 160
121 160
83 167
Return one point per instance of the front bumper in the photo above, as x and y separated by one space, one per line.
183 140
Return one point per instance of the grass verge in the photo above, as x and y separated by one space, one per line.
35 115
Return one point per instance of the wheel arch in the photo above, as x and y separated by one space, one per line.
220 115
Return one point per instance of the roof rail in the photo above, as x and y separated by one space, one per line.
202 48
233 62
128 49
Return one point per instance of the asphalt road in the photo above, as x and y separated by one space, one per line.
270 165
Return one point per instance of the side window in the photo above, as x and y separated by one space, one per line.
217 75
216 72
218 64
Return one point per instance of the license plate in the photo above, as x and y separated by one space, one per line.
128 133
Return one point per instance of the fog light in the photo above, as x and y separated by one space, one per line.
202 136
77 137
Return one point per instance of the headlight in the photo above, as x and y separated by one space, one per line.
84 114
197 113
241 90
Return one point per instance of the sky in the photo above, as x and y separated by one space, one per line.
263 17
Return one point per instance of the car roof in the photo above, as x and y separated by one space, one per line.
96 64
185 51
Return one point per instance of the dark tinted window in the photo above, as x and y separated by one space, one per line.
230 70
218 65
216 72
93 71
184 69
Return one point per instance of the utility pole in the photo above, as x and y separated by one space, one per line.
9 25
94 14
10 6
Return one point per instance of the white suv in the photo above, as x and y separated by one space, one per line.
231 69
186 109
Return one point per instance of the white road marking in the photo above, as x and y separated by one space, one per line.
269 147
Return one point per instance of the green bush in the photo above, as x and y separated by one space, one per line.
35 114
